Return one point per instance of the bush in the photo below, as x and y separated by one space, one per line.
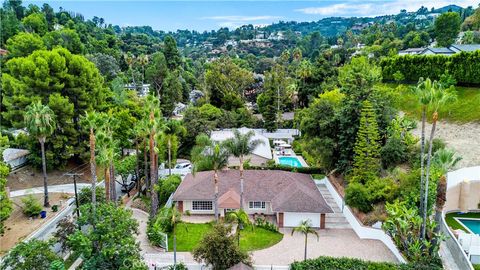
265 224
179 266
327 263
168 186
85 195
155 233
357 195
463 67
381 189
31 207
393 152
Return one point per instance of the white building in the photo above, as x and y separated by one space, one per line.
15 158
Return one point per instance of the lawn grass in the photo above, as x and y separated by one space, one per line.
258 238
187 239
188 235
464 110
452 223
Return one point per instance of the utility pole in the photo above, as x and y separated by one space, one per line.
75 187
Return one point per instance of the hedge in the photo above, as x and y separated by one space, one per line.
464 67
329 263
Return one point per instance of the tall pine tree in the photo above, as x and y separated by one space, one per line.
367 146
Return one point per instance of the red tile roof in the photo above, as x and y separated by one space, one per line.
287 191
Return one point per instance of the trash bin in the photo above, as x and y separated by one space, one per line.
43 214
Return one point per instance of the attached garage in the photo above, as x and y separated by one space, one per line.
293 219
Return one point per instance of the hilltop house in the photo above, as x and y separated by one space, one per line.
15 158
286 197
453 49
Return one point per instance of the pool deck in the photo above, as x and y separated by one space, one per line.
293 155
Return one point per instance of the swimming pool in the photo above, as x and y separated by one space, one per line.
472 224
290 161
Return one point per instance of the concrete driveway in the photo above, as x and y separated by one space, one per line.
332 242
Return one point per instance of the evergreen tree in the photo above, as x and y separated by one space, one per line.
367 146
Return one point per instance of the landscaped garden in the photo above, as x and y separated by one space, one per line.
190 234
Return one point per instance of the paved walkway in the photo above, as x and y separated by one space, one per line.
142 219
66 188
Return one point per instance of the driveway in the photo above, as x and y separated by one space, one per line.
332 242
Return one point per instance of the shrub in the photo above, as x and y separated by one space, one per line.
265 224
393 152
155 233
85 195
381 189
179 266
327 263
168 186
31 207
356 195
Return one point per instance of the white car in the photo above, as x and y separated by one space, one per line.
183 165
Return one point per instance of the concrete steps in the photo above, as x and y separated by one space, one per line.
334 220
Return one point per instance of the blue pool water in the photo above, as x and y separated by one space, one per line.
472 224
290 161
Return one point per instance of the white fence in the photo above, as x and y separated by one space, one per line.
362 231
456 177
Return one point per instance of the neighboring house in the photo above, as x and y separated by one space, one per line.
440 50
259 156
15 158
179 109
453 49
411 51
286 197
142 89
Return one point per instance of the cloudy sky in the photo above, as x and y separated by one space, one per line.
208 15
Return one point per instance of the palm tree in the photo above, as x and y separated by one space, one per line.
130 59
242 145
173 129
423 93
92 121
207 155
141 133
305 227
107 154
40 122
440 96
240 217
172 217
444 160
154 124
143 61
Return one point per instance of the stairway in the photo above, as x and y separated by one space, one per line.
334 220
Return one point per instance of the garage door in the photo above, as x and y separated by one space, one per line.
293 219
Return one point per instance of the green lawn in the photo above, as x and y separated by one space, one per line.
190 234
465 109
452 223
258 238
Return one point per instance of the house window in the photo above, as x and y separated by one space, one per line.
202 205
256 205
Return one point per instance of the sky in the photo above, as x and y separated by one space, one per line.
200 15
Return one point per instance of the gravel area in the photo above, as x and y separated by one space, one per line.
463 138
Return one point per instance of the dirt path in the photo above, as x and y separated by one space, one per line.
463 138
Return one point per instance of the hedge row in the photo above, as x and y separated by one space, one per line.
328 263
464 67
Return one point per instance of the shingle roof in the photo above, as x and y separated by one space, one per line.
441 50
10 154
287 191
466 47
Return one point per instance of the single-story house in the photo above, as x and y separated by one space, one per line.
411 51
286 197
453 49
259 156
441 51
15 158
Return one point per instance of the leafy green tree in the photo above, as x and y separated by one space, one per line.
32 255
416 39
305 228
40 123
115 236
447 27
156 73
5 202
226 83
35 23
367 146
171 53
66 38
72 80
171 93
168 186
49 15
23 44
219 250
10 24
208 155
242 145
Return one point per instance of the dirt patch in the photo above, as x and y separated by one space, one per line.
28 177
463 138
18 226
